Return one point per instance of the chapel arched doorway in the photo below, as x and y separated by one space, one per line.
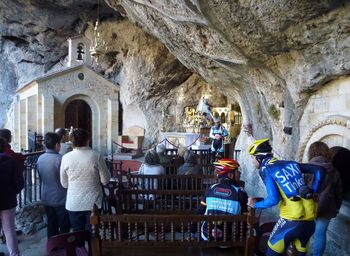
78 114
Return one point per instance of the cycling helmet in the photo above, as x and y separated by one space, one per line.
260 147
225 165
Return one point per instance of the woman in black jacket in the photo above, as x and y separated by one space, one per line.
330 199
11 183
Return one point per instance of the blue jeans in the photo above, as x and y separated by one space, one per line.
320 236
80 220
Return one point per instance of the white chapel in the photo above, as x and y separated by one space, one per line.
73 97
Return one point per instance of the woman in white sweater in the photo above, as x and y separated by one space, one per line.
151 166
82 172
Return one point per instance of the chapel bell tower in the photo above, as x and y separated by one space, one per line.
78 52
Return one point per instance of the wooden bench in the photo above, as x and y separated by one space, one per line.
204 155
135 187
170 168
119 199
112 231
158 201
165 217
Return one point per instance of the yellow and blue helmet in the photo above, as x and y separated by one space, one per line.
260 147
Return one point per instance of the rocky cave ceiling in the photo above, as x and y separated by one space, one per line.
268 56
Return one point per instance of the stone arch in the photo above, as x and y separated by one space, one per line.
327 131
95 112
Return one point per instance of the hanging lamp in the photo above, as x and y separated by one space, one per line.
98 46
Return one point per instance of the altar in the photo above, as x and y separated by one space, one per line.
183 139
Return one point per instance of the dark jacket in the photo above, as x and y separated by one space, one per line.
18 157
330 198
11 182
164 159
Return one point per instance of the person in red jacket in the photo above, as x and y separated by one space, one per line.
6 135
11 183
18 157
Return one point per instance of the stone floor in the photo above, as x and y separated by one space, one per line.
35 245
30 245
171 251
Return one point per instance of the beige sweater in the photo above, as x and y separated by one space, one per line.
82 172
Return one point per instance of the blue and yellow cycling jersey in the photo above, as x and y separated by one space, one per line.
283 180
288 231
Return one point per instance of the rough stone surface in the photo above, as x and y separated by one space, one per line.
8 81
268 55
143 67
32 39
31 218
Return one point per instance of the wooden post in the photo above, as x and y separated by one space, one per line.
250 241
95 234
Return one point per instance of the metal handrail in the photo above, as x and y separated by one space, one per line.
32 183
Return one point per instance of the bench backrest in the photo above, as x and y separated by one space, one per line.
149 192
121 200
170 182
172 168
113 230
204 155
159 201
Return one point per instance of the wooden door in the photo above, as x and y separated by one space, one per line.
78 114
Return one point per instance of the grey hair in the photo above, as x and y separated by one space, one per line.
190 157
152 158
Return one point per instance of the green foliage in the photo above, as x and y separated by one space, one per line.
273 112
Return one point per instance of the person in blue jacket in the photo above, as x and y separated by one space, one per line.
53 194
285 186
217 134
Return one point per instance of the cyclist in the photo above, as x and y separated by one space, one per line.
285 185
217 134
225 197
